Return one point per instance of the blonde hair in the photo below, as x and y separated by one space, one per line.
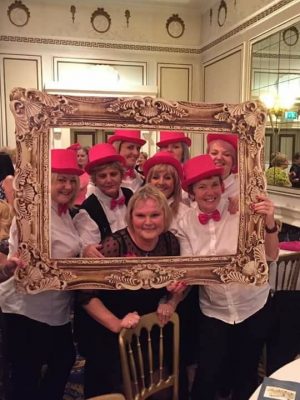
149 192
54 177
279 159
177 193
115 164
144 154
6 216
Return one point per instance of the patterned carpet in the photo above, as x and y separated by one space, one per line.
74 387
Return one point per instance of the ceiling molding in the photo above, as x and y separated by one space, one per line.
151 48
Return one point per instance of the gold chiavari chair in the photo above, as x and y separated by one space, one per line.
111 396
143 362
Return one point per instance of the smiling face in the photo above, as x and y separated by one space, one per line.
175 148
64 188
162 177
130 151
148 222
108 179
224 155
208 193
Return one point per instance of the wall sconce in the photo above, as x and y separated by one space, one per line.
127 16
277 105
73 12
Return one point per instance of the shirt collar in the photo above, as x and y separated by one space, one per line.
103 198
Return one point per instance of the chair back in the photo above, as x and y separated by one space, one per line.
284 274
111 396
143 361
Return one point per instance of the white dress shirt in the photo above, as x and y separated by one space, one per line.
132 184
87 229
216 237
182 209
115 217
50 307
91 188
231 186
231 303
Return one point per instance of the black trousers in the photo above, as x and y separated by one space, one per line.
232 351
30 345
283 343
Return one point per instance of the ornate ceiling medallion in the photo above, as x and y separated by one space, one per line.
18 13
175 26
100 20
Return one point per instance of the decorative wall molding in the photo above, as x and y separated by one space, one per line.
22 16
143 47
101 45
282 56
258 17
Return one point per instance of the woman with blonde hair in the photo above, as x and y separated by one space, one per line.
38 326
164 171
104 312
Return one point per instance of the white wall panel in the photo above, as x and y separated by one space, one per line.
131 73
174 81
222 79
18 71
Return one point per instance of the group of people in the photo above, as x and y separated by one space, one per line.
177 206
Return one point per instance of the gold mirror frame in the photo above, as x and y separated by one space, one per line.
36 112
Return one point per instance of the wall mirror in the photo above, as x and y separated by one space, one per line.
37 114
275 79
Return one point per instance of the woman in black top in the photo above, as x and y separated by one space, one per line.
104 313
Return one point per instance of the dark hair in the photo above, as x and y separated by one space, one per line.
296 156
6 166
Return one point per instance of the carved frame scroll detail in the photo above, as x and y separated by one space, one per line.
36 112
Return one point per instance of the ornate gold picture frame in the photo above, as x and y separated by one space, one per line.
36 112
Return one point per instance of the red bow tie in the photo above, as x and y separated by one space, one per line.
130 173
204 218
117 202
62 209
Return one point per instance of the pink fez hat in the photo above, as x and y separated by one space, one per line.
197 168
74 146
102 153
127 136
231 139
163 157
167 137
64 161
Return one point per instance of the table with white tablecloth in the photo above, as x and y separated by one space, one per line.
289 372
